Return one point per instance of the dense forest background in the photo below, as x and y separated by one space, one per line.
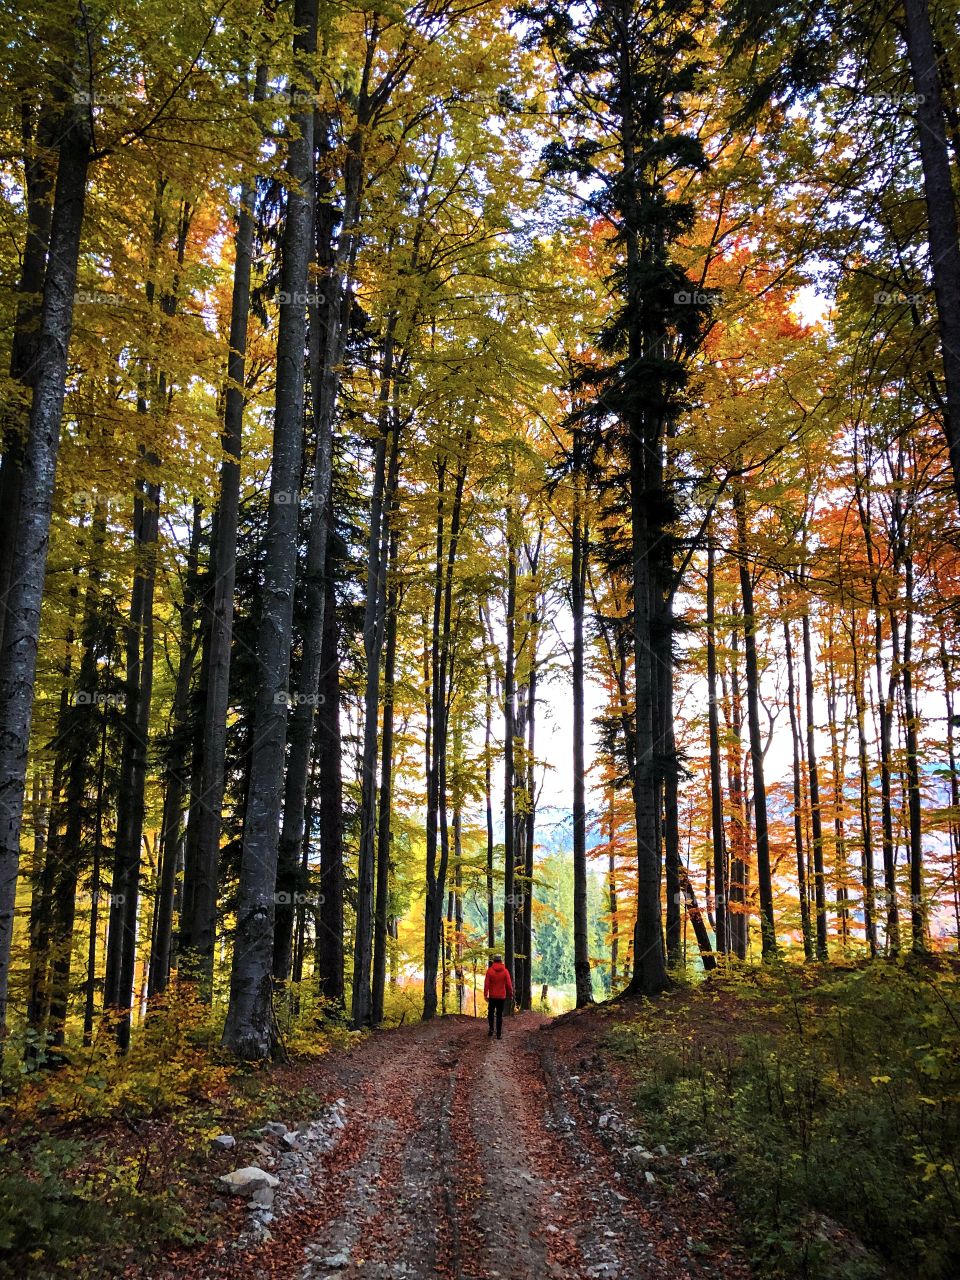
376 377
483 478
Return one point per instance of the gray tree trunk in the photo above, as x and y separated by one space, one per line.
18 659
938 189
198 923
768 932
373 631
578 580
249 1031
175 771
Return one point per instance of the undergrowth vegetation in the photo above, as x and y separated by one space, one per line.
829 1101
104 1155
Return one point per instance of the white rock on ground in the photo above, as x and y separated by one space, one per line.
246 1181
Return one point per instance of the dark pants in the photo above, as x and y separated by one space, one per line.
495 1010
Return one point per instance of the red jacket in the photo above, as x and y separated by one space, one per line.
496 983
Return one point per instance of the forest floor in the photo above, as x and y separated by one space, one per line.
457 1155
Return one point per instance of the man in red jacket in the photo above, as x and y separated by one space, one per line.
497 987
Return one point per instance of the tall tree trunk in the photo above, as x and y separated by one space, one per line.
530 823
768 934
95 887
739 878
175 771
716 781
797 797
436 872
816 816
329 943
374 622
18 660
382 900
39 169
940 199
80 731
488 799
671 815
198 924
125 902
138 696
509 730
837 757
327 337
948 695
866 817
249 1031
914 807
41 875
578 583
649 972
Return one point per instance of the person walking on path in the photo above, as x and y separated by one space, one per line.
497 988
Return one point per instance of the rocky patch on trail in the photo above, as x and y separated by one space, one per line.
281 1178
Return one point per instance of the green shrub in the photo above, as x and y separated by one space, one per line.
833 1102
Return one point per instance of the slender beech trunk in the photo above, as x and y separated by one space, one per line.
436 872
458 903
39 169
382 898
948 692
509 730
530 823
327 340
940 199
837 756
131 802
83 733
249 1031
739 878
612 898
488 798
866 816
175 772
914 809
198 924
671 815
716 781
373 632
816 814
578 583
649 971
885 704
138 695
797 796
768 932
41 875
329 942
18 659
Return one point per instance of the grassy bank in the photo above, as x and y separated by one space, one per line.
829 1100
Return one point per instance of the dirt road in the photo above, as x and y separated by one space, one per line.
466 1157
